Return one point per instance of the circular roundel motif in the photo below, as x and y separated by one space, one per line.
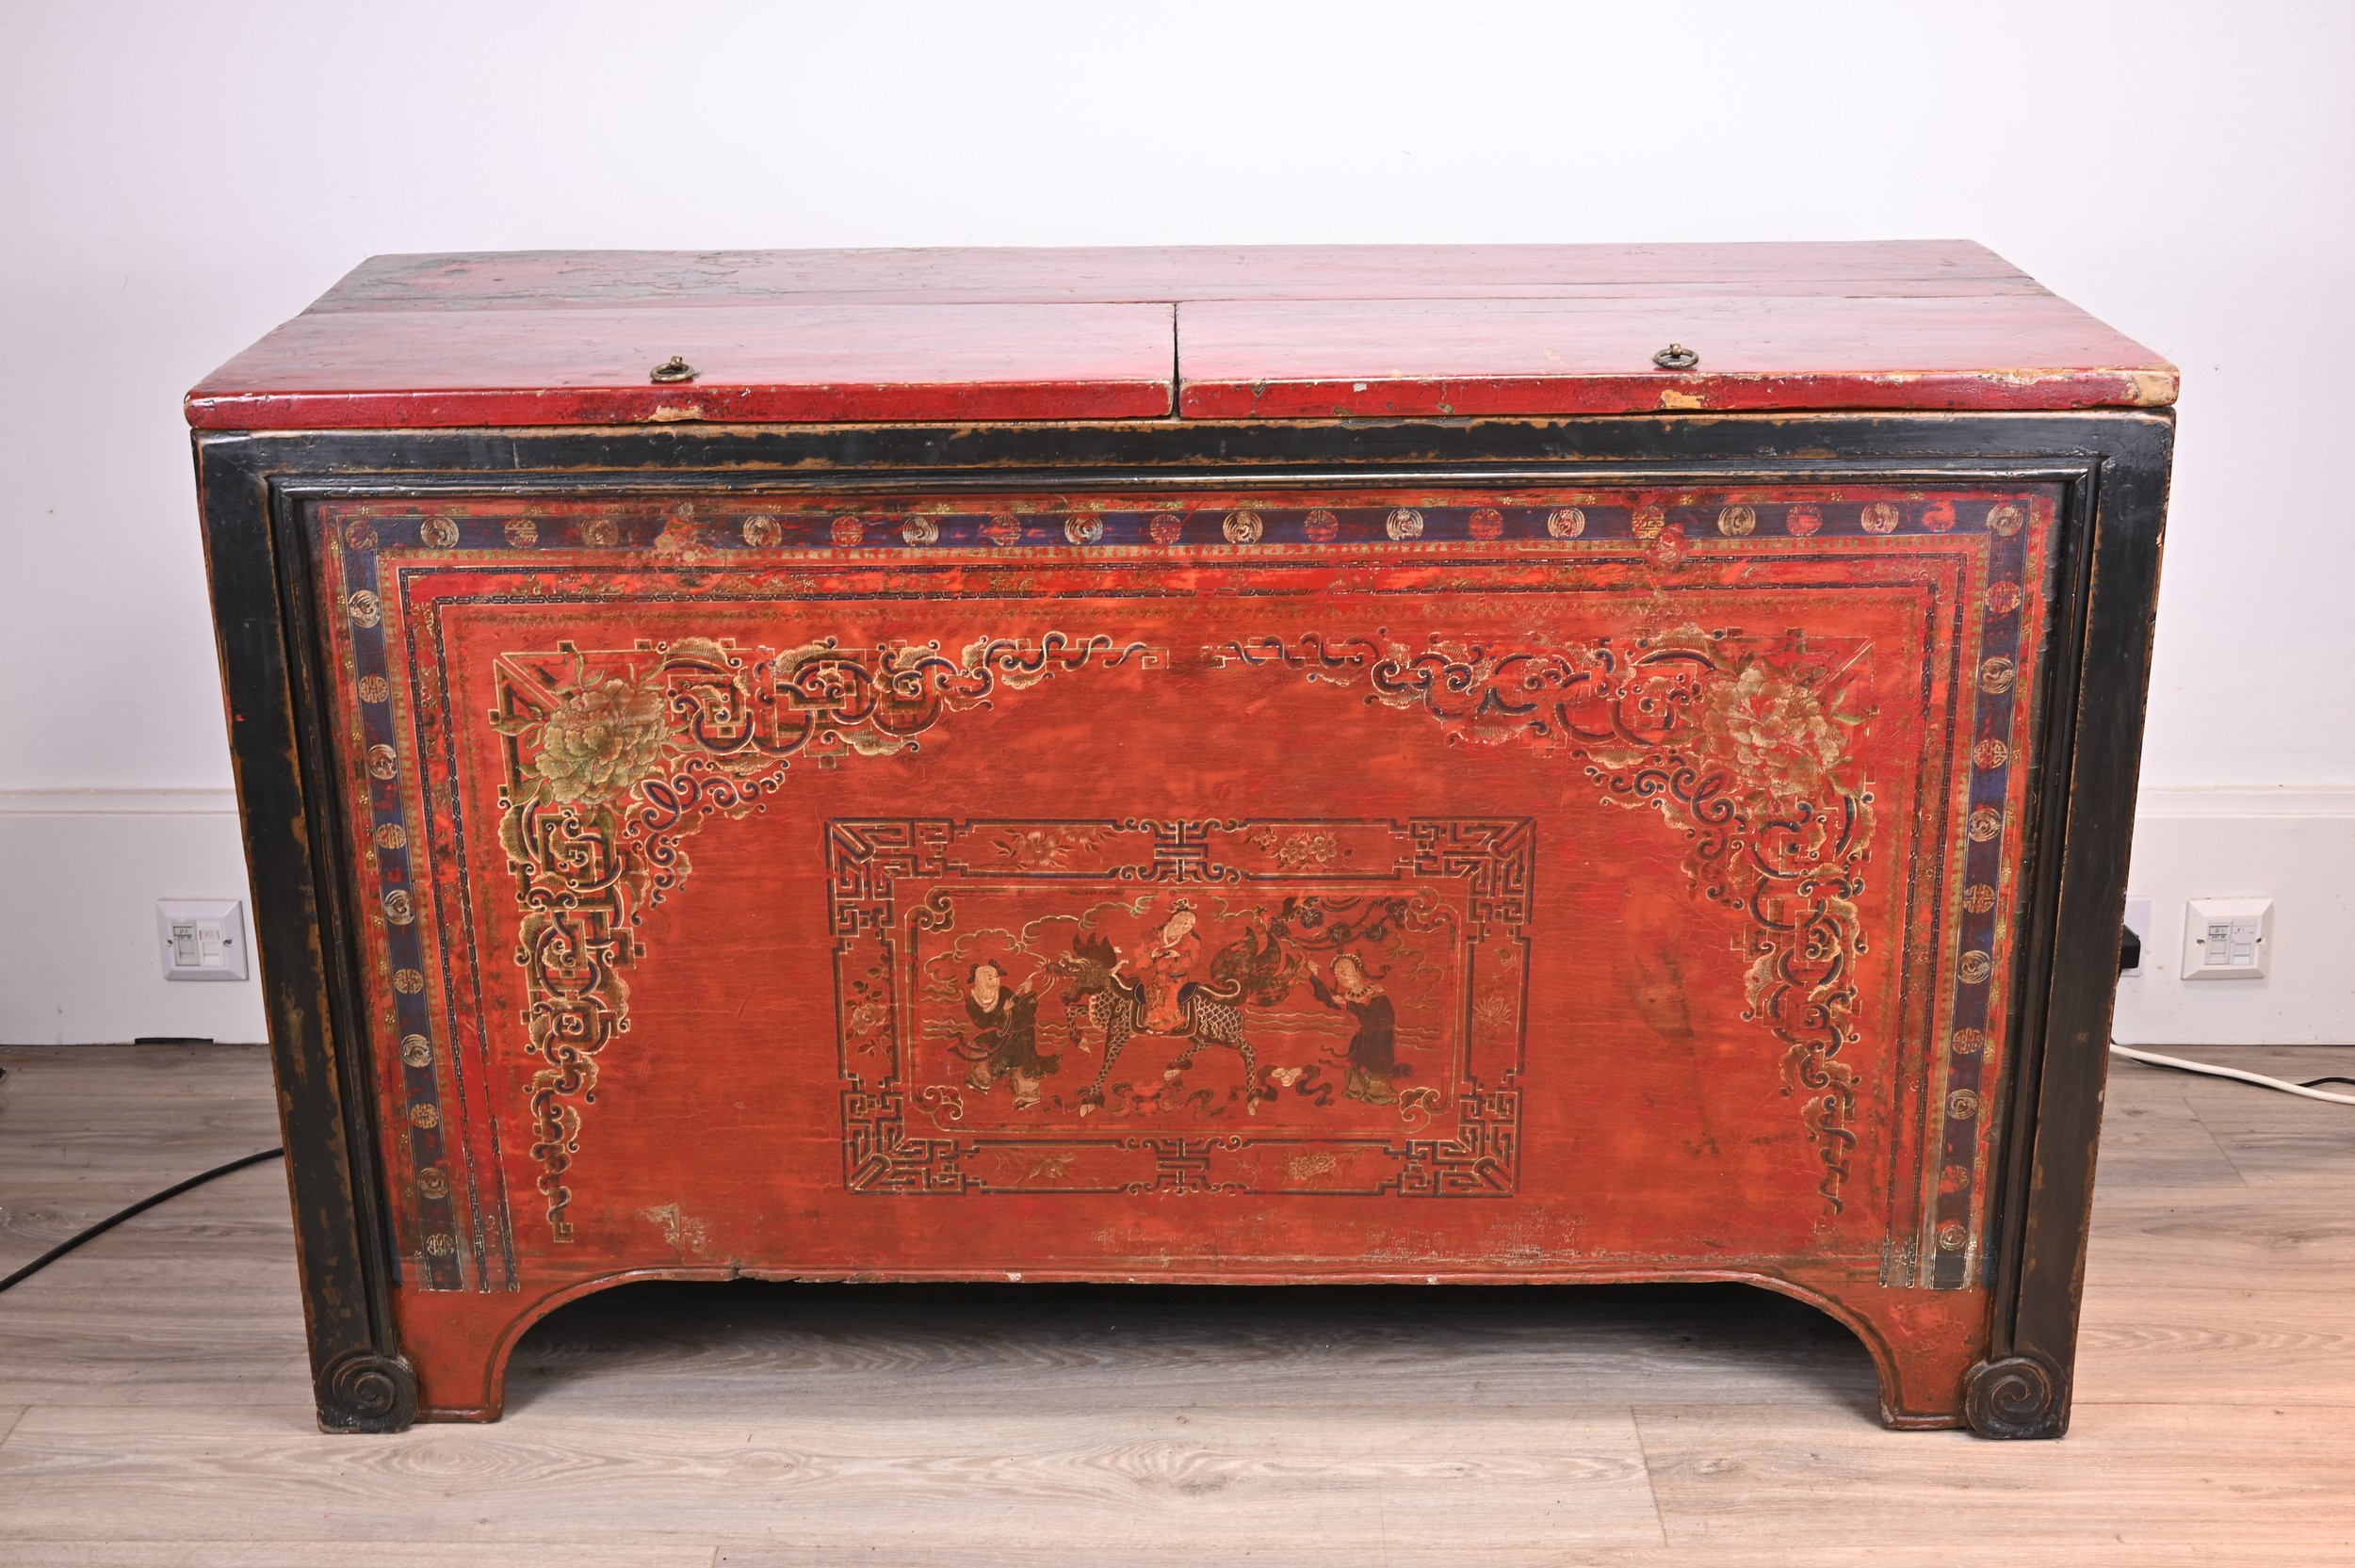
392 835
440 1244
1242 527
1735 522
364 608
440 533
1002 530
433 1182
2007 519
602 532
374 689
1164 527
2002 598
382 764
1648 521
1962 1105
1996 675
1083 530
1939 517
1804 519
360 536
920 530
1991 754
522 531
1969 1042
417 1050
408 981
1987 823
849 531
1485 523
1566 522
1952 1237
397 909
424 1116
1321 526
1978 899
1671 545
1405 522
1975 967
1882 517
761 532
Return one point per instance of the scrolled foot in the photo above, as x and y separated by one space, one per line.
367 1391
2016 1397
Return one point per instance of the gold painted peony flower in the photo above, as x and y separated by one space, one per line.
603 739
1773 733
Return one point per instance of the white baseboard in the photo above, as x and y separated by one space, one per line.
118 802
2247 801
81 871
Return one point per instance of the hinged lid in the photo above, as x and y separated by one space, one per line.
1283 332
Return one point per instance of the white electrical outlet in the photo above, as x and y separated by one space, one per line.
2227 939
203 939
2138 935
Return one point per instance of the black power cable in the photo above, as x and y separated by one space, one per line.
53 1253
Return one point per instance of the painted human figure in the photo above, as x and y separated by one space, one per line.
1163 971
1006 1035
1373 1050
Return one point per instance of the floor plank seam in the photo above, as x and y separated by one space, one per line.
2230 1162
1651 1482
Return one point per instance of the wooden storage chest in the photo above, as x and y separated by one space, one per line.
1223 766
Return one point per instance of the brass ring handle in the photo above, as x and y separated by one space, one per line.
676 369
1676 357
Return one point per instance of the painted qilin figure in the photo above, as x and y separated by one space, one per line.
1260 968
1158 999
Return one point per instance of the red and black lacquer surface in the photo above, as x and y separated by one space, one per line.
1666 841
1222 763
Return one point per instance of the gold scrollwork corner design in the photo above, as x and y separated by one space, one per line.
1745 751
613 757
2018 1397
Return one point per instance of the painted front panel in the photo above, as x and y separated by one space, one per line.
1500 884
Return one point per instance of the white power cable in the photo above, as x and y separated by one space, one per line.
2212 1071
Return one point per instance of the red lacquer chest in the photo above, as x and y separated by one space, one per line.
1465 766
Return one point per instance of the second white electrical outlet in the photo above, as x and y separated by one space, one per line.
2227 939
202 939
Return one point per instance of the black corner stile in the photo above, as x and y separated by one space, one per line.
2078 904
274 735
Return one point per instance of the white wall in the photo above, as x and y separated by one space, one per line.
2290 846
176 178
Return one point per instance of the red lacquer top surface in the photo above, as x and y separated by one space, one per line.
1201 333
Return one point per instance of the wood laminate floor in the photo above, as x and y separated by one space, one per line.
154 1409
